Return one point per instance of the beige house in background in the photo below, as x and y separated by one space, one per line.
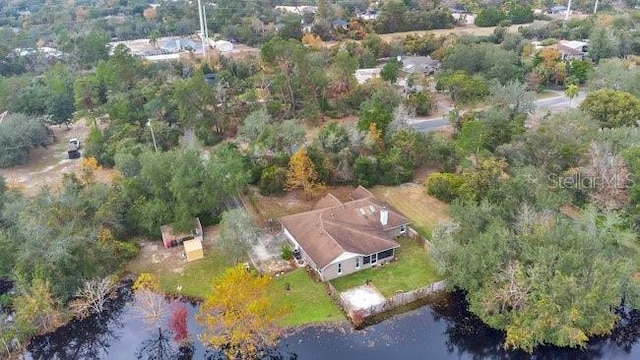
337 238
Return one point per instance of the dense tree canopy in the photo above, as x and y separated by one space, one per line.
543 278
18 135
612 108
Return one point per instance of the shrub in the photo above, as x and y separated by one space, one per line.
445 186
18 135
420 102
208 136
272 180
366 170
286 252
521 14
490 16
6 301
549 41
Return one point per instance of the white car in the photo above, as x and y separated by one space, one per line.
75 142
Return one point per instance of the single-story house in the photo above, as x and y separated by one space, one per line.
368 15
557 10
178 45
338 238
340 23
300 10
363 75
170 238
573 50
418 65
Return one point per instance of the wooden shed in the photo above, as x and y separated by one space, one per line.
193 249
171 239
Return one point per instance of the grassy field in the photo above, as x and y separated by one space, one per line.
306 301
196 278
413 269
424 211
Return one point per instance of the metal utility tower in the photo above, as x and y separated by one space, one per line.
203 34
568 11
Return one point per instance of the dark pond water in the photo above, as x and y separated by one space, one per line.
442 330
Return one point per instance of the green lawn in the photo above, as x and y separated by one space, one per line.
412 269
411 200
197 277
307 301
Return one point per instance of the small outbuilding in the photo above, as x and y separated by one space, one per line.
193 249
170 238
223 46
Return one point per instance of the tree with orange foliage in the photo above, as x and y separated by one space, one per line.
82 13
312 41
238 316
550 67
150 13
302 174
89 166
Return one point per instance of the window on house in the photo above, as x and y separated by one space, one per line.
366 260
385 254
339 268
357 263
403 229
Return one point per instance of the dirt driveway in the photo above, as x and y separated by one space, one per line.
265 255
47 166
154 257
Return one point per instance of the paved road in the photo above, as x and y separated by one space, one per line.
558 103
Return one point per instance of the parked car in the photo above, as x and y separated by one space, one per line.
73 149
297 255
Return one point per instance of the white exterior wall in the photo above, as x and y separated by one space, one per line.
349 267
348 263
305 257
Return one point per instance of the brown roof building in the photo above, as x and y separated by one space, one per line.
339 238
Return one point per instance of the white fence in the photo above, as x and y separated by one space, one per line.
358 316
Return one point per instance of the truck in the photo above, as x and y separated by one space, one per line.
74 148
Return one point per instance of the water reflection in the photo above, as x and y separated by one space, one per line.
160 346
86 339
466 334
446 330
443 330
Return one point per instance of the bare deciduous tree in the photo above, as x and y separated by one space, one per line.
90 299
607 177
400 120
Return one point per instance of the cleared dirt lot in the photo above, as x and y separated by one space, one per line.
458 30
48 165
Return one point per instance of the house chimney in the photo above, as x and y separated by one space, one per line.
384 216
